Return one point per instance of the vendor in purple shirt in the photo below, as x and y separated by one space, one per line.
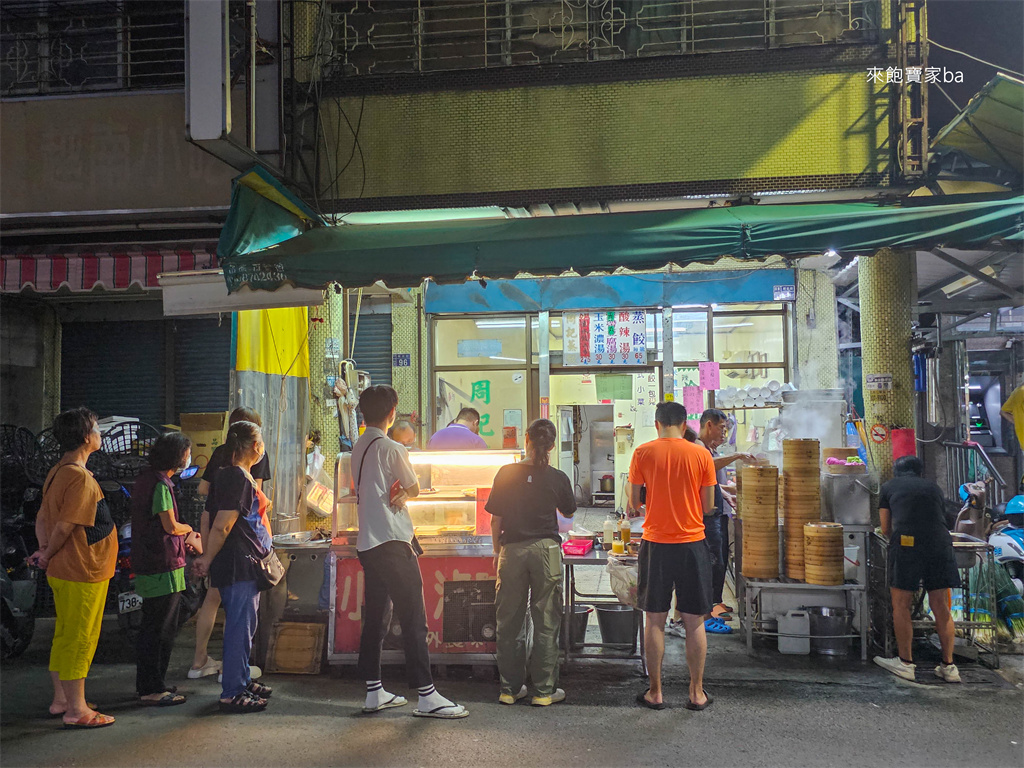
463 434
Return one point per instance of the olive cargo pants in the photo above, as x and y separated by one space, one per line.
529 573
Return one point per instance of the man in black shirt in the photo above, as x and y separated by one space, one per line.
911 509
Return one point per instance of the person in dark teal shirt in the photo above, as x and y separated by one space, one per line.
158 559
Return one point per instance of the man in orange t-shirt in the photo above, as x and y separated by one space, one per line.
680 480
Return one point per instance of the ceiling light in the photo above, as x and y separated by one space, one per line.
508 323
961 285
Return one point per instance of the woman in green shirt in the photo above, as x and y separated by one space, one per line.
158 559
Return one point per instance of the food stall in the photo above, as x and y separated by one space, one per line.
801 550
457 566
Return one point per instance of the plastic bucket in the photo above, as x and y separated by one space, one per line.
618 625
578 625
827 622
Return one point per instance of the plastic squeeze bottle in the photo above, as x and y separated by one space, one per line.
609 532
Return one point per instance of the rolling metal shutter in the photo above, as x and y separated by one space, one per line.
116 369
372 351
202 362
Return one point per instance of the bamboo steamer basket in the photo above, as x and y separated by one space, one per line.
800 448
757 492
823 554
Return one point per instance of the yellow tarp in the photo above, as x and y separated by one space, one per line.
273 341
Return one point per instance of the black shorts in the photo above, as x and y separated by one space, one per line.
685 568
910 567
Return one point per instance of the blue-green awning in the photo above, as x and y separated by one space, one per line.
403 255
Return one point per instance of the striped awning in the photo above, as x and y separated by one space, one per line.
45 273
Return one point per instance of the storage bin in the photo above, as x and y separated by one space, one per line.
578 625
618 625
826 623
795 633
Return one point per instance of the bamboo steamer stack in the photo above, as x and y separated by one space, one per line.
801 498
757 491
823 554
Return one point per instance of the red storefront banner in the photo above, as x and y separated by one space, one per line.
80 272
436 571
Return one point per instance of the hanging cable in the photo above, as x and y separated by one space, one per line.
975 58
948 97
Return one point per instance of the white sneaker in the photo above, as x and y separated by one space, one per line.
675 628
897 666
211 667
255 673
949 673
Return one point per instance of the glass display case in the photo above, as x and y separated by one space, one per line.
454 486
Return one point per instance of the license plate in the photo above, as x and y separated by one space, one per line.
128 602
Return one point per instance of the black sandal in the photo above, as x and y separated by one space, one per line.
243 704
258 690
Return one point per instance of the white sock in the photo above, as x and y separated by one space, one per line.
430 699
375 694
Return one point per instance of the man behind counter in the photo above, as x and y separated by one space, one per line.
463 434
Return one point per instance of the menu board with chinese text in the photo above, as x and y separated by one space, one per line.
614 337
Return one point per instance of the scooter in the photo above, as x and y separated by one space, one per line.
1007 540
19 582
1003 529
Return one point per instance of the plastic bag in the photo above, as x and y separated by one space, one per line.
314 463
623 580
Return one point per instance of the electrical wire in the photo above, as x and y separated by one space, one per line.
975 58
948 97
356 146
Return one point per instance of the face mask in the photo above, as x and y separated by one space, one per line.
186 465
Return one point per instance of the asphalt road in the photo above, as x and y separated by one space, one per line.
769 711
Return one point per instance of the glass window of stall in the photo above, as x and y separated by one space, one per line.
751 343
481 362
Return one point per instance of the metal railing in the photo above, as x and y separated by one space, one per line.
410 36
49 47
968 463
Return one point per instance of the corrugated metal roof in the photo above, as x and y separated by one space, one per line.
991 127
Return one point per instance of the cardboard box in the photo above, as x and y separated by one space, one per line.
206 431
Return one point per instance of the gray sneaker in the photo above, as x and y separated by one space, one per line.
897 666
675 628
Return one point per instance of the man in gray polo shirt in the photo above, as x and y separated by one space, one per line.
387 552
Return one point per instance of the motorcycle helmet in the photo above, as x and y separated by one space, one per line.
1015 511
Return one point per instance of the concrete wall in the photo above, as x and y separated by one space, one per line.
809 124
29 363
122 151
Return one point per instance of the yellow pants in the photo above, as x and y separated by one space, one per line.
79 618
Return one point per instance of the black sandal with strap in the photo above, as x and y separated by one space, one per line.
243 704
259 690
